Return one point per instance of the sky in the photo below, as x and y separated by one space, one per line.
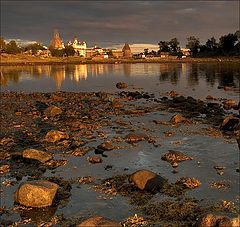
112 23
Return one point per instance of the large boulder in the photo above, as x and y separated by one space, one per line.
52 111
55 136
147 180
99 221
39 193
41 156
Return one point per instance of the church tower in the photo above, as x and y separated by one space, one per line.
57 42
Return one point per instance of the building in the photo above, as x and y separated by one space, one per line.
127 51
57 42
79 47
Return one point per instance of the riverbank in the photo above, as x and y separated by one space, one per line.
20 59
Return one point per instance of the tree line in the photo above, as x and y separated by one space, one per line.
228 45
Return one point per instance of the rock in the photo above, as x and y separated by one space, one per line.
116 104
5 168
209 97
230 123
106 146
41 156
188 182
173 94
220 170
52 111
55 136
147 180
121 85
99 221
208 220
175 157
36 193
94 159
178 119
134 137
230 103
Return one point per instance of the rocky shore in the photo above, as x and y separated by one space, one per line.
44 132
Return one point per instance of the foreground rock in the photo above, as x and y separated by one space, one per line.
99 221
121 85
36 193
106 146
95 159
52 111
41 156
230 123
174 157
55 136
147 180
210 220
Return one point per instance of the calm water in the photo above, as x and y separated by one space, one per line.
194 79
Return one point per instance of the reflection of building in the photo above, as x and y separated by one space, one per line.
79 73
79 47
57 42
127 69
58 73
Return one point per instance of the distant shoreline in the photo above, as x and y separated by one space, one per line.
22 60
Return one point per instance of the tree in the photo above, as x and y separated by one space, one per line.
56 52
163 46
174 46
12 48
211 44
193 44
146 51
34 47
227 42
69 51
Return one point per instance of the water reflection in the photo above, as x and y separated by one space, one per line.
191 74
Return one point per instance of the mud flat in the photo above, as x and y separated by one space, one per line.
123 159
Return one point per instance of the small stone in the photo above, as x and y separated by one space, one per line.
36 193
220 170
147 180
121 85
188 182
209 97
52 111
106 146
86 180
5 168
55 136
99 221
94 159
134 137
173 94
175 157
230 123
178 119
41 156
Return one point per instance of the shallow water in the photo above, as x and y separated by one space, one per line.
189 79
197 80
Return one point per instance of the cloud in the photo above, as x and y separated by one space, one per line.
108 22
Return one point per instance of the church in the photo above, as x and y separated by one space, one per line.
78 46
57 42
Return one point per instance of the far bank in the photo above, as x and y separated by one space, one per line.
20 59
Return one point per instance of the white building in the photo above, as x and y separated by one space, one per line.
79 47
